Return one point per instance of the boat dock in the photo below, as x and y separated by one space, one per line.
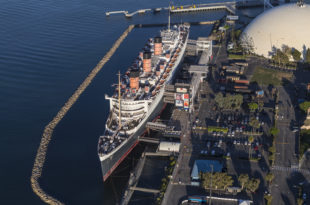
135 176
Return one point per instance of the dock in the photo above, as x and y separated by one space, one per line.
228 6
127 14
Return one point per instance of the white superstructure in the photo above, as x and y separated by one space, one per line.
142 89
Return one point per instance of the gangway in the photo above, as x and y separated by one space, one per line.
156 126
149 140
154 191
158 154
172 133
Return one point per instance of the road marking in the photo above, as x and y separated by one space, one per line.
289 169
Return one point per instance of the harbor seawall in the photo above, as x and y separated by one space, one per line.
48 130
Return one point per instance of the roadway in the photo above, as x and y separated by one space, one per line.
287 177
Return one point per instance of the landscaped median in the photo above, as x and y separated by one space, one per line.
217 129
212 129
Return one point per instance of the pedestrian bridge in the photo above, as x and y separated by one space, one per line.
154 191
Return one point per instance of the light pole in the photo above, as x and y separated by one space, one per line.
211 165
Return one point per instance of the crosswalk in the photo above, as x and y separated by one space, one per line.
291 169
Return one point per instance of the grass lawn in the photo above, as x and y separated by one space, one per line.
304 141
236 57
265 76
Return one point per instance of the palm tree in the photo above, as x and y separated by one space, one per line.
253 185
243 180
269 177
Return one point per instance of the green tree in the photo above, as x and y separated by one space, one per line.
272 149
229 102
254 123
253 106
253 185
219 99
247 44
261 104
300 201
274 131
269 177
287 50
243 180
280 57
237 33
220 181
296 55
308 55
304 106
268 199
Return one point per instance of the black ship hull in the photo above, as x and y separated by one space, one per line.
109 164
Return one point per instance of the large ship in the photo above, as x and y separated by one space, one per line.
138 98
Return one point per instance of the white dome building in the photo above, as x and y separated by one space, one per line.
288 24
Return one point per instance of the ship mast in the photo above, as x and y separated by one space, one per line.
169 18
119 100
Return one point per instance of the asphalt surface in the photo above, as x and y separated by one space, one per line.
289 182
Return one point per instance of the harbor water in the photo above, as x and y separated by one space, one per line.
47 48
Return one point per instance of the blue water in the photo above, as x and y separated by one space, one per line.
47 48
